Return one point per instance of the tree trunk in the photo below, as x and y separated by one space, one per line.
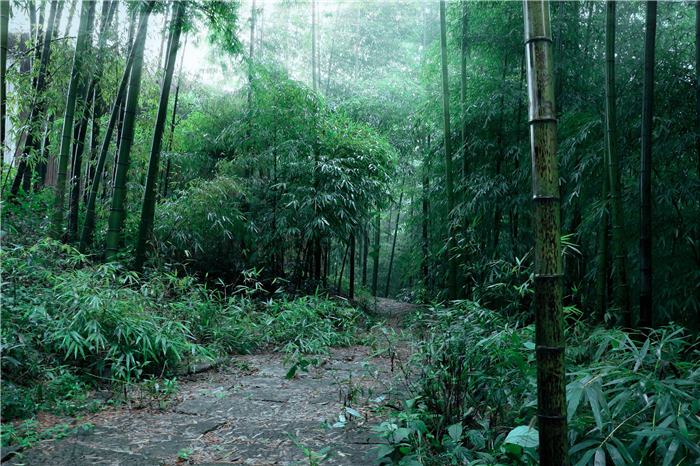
4 21
697 76
393 246
451 244
89 222
342 269
116 213
85 94
251 55
463 86
68 120
162 37
32 144
313 44
375 269
619 238
149 197
100 108
365 255
602 273
172 122
549 316
351 279
645 290
71 13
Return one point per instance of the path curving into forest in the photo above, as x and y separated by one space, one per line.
246 412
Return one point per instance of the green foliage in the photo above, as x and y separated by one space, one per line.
204 224
27 434
632 402
68 324
313 457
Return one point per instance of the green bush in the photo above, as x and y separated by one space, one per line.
628 402
68 324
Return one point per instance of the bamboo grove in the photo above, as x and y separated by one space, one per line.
541 160
305 168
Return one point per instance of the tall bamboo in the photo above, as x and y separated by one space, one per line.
618 224
4 20
451 243
149 197
71 13
602 272
375 252
89 222
32 144
68 120
549 316
100 107
85 94
393 245
172 121
697 78
365 255
313 44
116 213
351 278
645 296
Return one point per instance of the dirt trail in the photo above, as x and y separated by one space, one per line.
244 412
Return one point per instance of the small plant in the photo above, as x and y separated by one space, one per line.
27 433
301 363
406 437
314 457
184 454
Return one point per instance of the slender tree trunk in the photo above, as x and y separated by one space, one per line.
351 279
85 94
313 44
172 122
71 13
602 272
342 269
365 255
463 280
4 21
559 45
68 120
375 269
116 214
451 245
463 86
645 290
697 77
356 47
619 238
149 197
162 38
89 222
549 316
77 165
32 145
393 246
500 157
251 56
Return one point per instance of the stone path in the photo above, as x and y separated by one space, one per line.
246 412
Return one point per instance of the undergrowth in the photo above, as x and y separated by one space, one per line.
68 325
475 402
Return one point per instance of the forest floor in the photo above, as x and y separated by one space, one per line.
244 411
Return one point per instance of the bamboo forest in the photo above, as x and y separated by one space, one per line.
350 232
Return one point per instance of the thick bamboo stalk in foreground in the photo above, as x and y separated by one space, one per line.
551 383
